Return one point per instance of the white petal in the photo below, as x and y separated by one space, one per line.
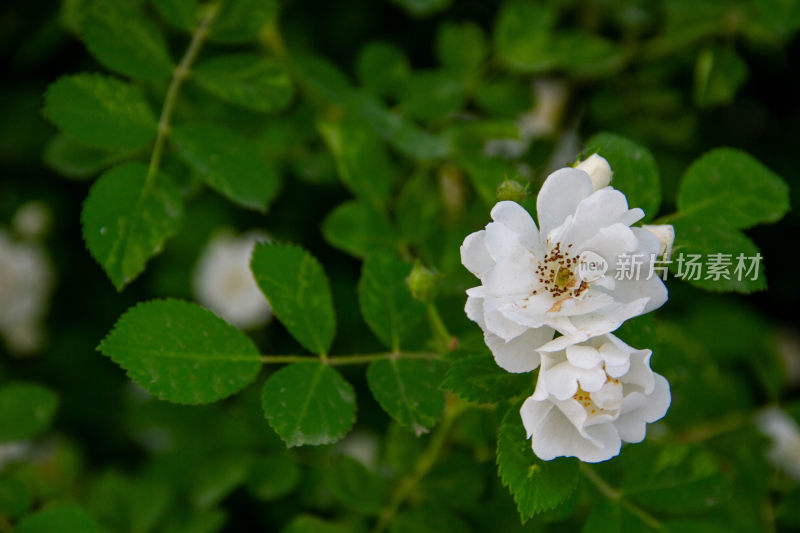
533 413
583 356
474 255
498 323
474 310
598 169
600 209
560 195
652 290
557 437
640 374
659 400
519 354
516 218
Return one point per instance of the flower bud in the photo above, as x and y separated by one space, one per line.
598 169
512 190
665 234
422 282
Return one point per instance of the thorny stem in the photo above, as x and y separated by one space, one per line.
613 494
345 359
178 75
423 465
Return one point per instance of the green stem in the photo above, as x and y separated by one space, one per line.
178 76
439 328
423 465
615 495
346 359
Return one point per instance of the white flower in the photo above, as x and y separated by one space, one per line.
785 435
224 283
530 279
591 397
26 279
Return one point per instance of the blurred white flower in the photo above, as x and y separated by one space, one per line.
361 446
224 283
559 276
26 280
550 97
591 397
32 220
784 433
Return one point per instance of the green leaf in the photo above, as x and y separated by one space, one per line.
386 302
457 481
216 481
408 389
182 353
522 36
247 80
180 13
423 8
273 477
504 96
309 403
228 162
733 188
635 170
26 409
403 135
382 68
699 236
78 161
361 159
403 448
358 229
126 219
15 498
479 379
586 54
609 516
296 286
125 42
461 47
312 524
241 20
432 94
196 521
536 485
61 518
718 74
128 505
428 519
100 111
356 487
675 479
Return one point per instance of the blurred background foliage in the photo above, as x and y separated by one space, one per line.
430 104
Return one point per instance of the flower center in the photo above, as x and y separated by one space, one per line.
558 274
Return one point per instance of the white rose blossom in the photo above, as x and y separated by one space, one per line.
530 280
591 397
784 433
224 283
27 278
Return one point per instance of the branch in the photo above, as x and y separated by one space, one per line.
178 75
423 465
346 359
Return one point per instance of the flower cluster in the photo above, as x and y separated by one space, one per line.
593 390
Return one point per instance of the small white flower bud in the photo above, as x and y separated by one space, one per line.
598 169
32 220
665 234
